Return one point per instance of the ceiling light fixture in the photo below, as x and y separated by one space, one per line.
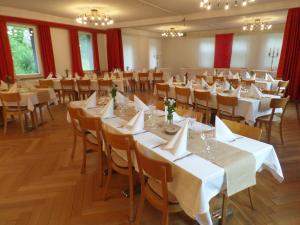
95 18
258 24
172 33
226 4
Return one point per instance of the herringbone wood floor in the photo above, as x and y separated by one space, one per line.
40 185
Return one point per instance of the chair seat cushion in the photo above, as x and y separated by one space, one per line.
156 187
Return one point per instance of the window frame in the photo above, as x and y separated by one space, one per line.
36 49
92 47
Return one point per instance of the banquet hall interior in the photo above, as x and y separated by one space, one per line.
180 112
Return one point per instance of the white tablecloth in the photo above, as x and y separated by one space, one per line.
197 180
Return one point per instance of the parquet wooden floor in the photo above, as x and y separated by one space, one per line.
40 185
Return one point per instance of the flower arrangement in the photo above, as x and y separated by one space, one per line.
170 108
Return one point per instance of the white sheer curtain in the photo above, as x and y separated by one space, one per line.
206 52
240 51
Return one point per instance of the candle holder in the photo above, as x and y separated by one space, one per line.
273 54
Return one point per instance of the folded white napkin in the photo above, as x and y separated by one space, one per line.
205 73
13 88
236 76
222 131
189 84
237 92
203 83
3 85
136 124
50 76
120 98
213 88
253 77
269 77
247 76
139 104
226 86
170 81
230 74
91 102
108 110
178 144
58 76
255 92
106 76
221 74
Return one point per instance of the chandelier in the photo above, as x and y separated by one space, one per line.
95 18
172 33
257 25
226 4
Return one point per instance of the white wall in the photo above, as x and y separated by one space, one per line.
141 49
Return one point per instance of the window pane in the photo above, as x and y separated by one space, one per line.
86 51
206 52
240 51
22 45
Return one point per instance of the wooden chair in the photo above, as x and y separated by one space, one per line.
68 88
104 86
162 90
157 78
274 118
218 79
201 100
160 105
84 89
247 131
234 82
129 82
154 178
75 114
230 103
92 140
49 84
182 96
11 107
43 99
282 88
144 81
200 77
124 144
248 82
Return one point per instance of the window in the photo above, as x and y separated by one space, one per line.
128 57
240 52
86 51
22 43
206 52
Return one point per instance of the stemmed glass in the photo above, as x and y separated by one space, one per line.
208 137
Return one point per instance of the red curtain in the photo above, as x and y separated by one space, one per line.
96 53
115 57
6 61
223 50
46 50
289 64
75 52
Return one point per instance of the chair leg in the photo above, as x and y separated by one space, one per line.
107 181
165 218
41 114
5 121
281 134
83 167
250 198
131 197
100 166
140 209
224 203
74 146
269 130
21 122
49 111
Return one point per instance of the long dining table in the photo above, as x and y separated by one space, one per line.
196 180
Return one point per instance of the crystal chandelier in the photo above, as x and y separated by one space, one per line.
257 25
95 18
172 33
226 4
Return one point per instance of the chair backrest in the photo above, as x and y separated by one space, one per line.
248 82
128 76
93 124
160 105
200 96
104 84
43 96
83 85
182 94
228 101
158 76
243 129
143 76
279 103
234 82
46 83
75 114
67 84
282 88
220 79
10 98
162 90
159 170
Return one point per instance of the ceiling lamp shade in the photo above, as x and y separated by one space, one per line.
257 25
225 4
95 18
172 33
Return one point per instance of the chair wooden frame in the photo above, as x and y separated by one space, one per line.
43 98
131 81
282 88
276 103
43 83
121 142
227 101
162 173
217 78
162 87
235 82
157 78
104 85
203 96
248 82
143 81
68 88
16 110
84 89
185 93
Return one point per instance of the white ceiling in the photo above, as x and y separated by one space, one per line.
154 15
